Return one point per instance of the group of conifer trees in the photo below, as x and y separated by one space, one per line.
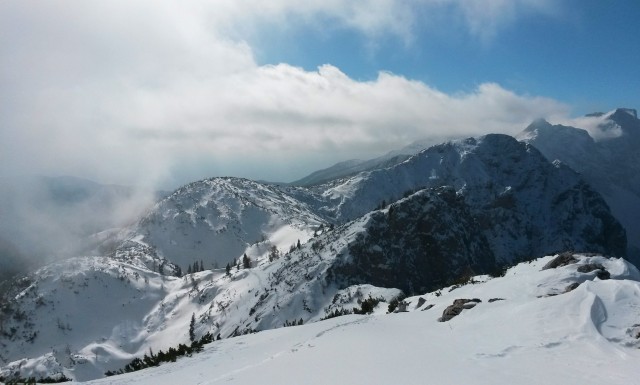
195 268
170 355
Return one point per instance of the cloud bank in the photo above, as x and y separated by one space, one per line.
163 92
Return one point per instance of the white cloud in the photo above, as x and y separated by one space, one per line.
599 126
485 18
122 91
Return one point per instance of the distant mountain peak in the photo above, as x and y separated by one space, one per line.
618 111
541 129
629 111
626 118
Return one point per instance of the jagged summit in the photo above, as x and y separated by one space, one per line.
625 119
629 111
618 111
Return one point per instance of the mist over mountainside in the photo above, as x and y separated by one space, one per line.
47 218
12 261
607 156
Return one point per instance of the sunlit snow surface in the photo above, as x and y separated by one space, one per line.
536 335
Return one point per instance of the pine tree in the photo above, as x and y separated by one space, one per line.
201 265
189 271
246 261
192 328
228 268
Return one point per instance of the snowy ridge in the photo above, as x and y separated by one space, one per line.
218 220
588 335
532 207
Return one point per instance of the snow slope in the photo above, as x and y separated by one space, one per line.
85 316
536 334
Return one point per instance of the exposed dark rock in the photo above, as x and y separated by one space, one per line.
457 307
571 287
563 259
601 272
423 243
421 301
589 267
636 331
496 299
428 307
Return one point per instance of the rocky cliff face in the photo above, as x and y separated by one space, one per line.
425 241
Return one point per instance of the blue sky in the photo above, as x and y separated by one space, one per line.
162 92
586 54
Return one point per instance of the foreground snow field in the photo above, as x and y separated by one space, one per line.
532 332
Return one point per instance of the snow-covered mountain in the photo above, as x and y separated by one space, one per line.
516 201
300 255
218 220
525 205
606 155
426 239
